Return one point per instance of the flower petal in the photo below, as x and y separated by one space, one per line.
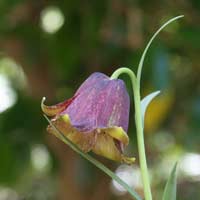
119 134
128 160
90 81
100 141
85 141
55 109
106 146
105 104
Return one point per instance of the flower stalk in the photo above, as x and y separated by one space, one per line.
139 128
138 113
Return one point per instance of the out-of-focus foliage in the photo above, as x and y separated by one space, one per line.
47 48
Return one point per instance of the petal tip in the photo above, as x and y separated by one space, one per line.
128 160
55 109
42 101
48 110
43 106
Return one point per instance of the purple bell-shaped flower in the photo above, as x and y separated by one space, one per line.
96 117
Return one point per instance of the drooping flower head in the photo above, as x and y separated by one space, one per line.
96 117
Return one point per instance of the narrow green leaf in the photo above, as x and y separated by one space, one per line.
95 162
146 101
170 188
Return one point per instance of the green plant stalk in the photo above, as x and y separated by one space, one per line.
139 129
141 145
139 71
95 162
138 115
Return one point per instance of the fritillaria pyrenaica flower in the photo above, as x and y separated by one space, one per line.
95 118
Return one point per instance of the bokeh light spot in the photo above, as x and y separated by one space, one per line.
130 175
190 165
14 72
40 158
8 96
52 19
7 193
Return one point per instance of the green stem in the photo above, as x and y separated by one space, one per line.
139 71
141 145
95 162
139 129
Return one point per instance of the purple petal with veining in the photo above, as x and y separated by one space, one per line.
90 81
101 103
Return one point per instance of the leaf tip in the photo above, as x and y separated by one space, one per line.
170 188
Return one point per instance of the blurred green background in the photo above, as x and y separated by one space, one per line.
47 48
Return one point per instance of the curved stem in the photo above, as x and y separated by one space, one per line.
95 162
124 70
139 71
139 129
